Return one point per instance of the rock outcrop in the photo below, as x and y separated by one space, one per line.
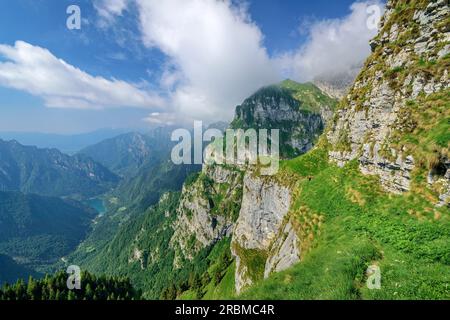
264 205
406 64
285 251
258 237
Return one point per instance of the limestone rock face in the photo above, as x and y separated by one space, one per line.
242 278
265 204
300 128
259 225
285 251
392 77
138 255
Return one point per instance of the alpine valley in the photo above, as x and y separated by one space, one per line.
364 184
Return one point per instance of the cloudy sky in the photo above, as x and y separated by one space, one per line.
137 63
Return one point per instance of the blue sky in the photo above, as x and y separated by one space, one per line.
137 67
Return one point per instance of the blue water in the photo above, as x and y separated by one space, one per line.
96 204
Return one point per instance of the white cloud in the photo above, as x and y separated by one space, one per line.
215 52
165 118
216 56
109 9
335 46
37 71
215 59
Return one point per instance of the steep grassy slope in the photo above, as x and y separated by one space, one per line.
309 96
406 236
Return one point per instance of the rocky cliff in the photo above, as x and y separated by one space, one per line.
407 71
208 209
253 210
232 201
261 226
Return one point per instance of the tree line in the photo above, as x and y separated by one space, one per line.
55 288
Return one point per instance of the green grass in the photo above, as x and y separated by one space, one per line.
225 289
309 164
311 97
254 260
329 272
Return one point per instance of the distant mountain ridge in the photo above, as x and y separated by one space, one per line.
143 160
66 143
125 154
49 172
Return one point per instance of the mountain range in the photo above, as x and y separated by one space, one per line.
49 172
66 143
366 190
363 190
125 154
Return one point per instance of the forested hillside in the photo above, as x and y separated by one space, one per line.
10 270
38 231
127 153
